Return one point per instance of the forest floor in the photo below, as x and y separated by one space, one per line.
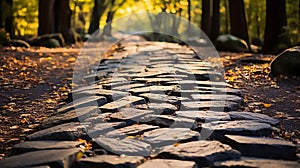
33 82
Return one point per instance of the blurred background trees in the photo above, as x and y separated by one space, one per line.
255 21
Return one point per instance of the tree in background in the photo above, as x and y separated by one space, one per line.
276 34
238 23
98 11
6 16
210 22
55 17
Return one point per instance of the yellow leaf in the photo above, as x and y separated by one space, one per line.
266 105
79 155
71 59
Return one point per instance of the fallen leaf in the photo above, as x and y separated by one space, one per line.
266 105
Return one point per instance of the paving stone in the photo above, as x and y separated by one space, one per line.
257 163
262 147
95 76
168 136
97 118
168 163
82 102
156 80
176 76
75 115
204 153
221 90
211 105
133 130
219 128
109 161
151 97
169 121
199 83
128 86
67 132
110 95
54 158
148 74
126 146
100 129
123 102
152 89
216 97
203 116
159 108
29 146
253 116
112 80
129 115
109 86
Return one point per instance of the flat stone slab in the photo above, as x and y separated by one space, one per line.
253 116
211 105
82 102
155 98
111 95
153 89
204 116
74 115
198 83
262 147
52 158
218 129
257 162
123 102
204 153
158 108
221 90
69 131
168 163
169 121
100 129
129 115
156 80
216 97
128 86
168 136
133 130
29 146
110 161
125 146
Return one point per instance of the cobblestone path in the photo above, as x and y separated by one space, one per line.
158 106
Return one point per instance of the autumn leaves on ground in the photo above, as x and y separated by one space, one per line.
35 81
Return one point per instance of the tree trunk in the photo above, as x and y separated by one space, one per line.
98 11
238 21
206 16
6 16
46 17
215 27
63 16
276 21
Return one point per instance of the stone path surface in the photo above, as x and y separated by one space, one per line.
154 104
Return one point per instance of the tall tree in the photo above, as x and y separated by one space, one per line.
55 17
210 23
206 16
215 27
6 16
276 36
98 11
238 21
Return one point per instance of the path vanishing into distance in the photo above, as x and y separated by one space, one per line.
154 104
